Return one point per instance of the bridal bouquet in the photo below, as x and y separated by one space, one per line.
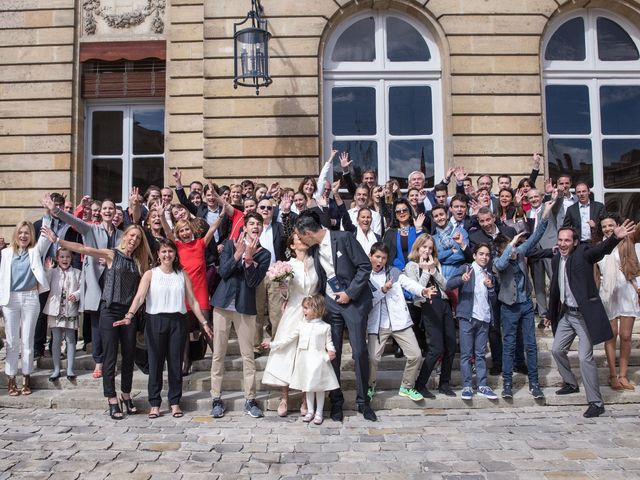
280 272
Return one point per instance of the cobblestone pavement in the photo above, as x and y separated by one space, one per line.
513 443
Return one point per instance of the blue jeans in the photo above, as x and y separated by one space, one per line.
473 340
513 316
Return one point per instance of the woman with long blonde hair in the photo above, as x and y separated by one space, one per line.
126 265
22 279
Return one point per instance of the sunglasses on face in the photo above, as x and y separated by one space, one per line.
403 210
265 207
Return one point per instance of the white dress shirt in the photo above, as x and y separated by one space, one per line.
326 260
481 309
266 242
585 228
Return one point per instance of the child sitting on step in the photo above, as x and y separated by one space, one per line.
312 370
62 310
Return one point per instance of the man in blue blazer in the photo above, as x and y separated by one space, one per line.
343 270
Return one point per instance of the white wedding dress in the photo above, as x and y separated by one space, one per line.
281 361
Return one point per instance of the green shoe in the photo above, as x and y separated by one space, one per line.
371 391
411 393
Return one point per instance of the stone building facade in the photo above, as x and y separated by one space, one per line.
97 95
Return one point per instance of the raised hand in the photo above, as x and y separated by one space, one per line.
537 160
286 201
252 247
344 161
466 276
46 202
240 245
177 176
487 280
627 227
335 187
134 196
548 186
450 171
459 239
273 188
518 197
419 221
50 234
460 173
48 263
516 239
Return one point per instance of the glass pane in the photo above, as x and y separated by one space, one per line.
106 179
405 43
568 42
406 156
353 111
363 154
106 133
573 157
621 159
357 43
568 109
148 132
147 171
620 110
614 43
410 111
627 204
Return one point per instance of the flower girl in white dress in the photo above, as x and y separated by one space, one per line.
312 370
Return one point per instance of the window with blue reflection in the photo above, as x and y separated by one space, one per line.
356 43
627 204
620 109
573 157
148 132
406 156
614 43
363 154
621 162
410 111
567 43
353 110
568 109
405 43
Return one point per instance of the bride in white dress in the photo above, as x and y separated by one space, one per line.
304 283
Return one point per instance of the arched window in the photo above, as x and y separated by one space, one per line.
592 105
382 96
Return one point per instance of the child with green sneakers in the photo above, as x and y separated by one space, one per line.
389 318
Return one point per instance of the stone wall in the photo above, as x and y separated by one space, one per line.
36 60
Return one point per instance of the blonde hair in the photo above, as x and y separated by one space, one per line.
181 224
32 234
414 255
142 254
316 304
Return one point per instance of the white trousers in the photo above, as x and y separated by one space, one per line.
20 318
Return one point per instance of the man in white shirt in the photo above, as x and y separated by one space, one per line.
583 215
361 200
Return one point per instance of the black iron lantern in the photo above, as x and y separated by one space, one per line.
251 50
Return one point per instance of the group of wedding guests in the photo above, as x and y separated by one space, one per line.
434 272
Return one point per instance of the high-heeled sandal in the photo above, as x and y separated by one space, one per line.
12 387
26 385
283 408
129 406
115 412
626 384
154 412
615 384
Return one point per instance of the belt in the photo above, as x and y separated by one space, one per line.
571 309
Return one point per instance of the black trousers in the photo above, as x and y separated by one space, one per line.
339 316
437 321
40 336
125 337
165 335
97 351
418 327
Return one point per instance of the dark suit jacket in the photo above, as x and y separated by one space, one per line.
352 267
584 289
572 217
238 283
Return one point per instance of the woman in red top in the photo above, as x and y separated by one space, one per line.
191 251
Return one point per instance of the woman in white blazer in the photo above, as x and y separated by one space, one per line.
22 279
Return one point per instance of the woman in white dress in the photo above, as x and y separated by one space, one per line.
619 286
304 283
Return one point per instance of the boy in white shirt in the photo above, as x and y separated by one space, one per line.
390 317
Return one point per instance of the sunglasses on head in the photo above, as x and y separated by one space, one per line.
265 207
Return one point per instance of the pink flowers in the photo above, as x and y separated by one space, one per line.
280 272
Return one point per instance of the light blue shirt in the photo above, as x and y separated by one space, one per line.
22 278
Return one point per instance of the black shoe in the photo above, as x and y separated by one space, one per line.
445 389
568 389
593 411
54 377
367 412
257 355
426 393
336 413
495 370
523 369
71 378
507 392
398 353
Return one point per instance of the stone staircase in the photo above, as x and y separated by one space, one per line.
86 392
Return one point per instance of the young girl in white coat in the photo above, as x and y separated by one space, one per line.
312 371
61 310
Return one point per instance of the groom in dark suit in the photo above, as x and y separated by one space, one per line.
343 272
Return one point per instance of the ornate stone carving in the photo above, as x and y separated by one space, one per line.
93 9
